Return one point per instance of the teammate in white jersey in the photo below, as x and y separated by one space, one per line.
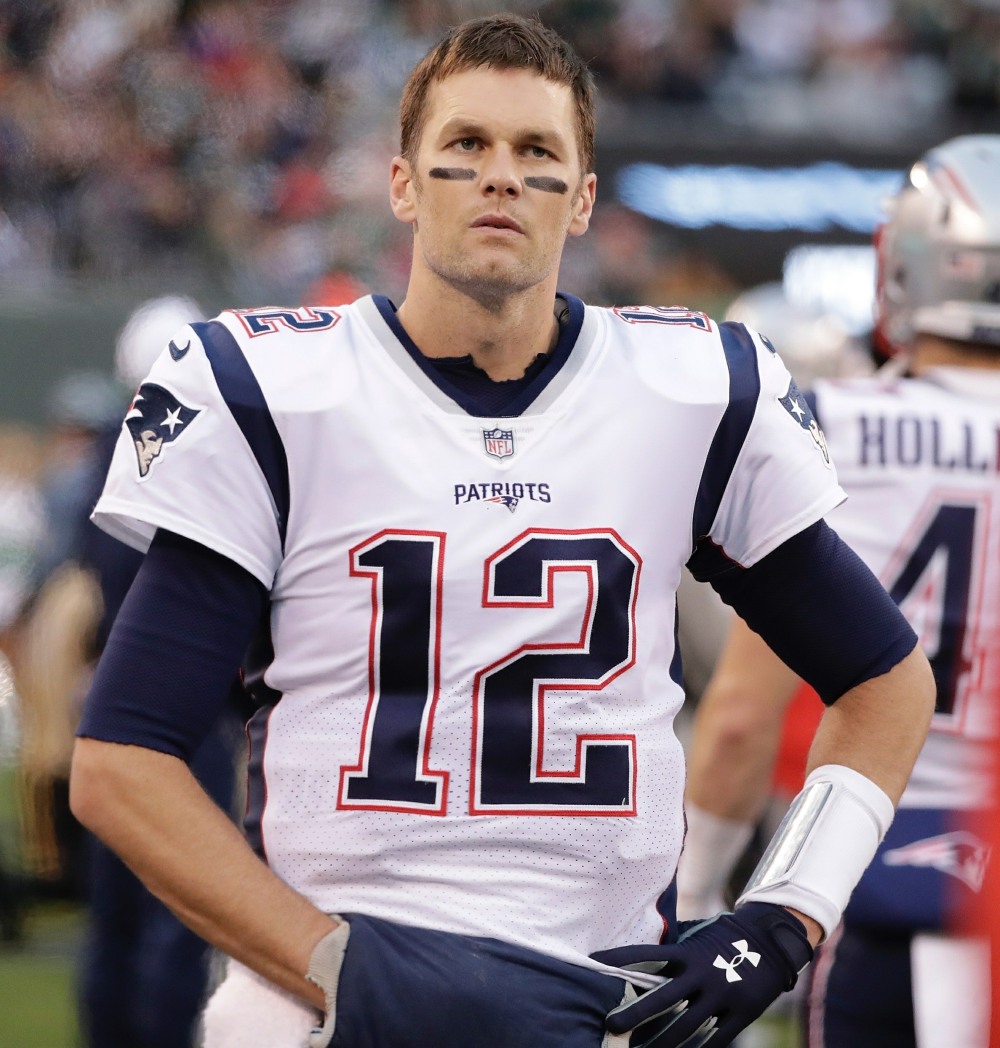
919 455
445 541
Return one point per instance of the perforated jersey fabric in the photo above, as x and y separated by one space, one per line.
474 673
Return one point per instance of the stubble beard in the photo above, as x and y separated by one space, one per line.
490 284
491 290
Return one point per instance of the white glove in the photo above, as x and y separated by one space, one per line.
246 1008
324 970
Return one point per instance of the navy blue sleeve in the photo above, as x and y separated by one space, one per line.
820 609
175 649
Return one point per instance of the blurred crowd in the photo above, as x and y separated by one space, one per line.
242 143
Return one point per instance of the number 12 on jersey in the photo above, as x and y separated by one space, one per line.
509 722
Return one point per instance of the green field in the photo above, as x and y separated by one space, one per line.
37 974
37 980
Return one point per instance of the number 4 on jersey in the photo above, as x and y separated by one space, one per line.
936 581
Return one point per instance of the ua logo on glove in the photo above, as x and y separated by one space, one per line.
694 1002
745 954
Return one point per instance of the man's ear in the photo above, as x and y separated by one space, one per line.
584 207
402 191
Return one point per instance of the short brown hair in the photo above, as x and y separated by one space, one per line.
502 41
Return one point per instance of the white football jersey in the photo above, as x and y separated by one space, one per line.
473 619
921 459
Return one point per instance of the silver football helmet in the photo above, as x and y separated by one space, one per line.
811 341
146 332
939 248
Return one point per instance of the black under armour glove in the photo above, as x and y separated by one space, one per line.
723 973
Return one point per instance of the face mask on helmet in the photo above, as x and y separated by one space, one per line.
939 248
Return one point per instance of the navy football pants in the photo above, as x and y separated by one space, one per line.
417 988
860 994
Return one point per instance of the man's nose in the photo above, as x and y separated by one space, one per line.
500 175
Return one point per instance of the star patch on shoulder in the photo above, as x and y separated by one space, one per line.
155 419
798 407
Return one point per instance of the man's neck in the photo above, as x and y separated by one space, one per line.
502 339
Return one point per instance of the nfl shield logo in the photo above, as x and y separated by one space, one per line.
499 442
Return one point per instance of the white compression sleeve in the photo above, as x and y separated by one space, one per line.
712 847
823 845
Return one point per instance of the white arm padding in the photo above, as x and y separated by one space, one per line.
824 844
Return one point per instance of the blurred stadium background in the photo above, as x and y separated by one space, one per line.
236 151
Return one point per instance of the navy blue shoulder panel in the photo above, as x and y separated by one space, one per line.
744 387
245 400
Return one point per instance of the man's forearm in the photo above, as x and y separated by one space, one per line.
731 760
879 727
150 809
737 728
860 762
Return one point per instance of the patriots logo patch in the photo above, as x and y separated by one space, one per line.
155 419
960 854
510 501
798 407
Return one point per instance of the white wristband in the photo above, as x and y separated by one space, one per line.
823 845
712 847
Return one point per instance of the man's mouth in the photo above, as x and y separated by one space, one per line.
497 222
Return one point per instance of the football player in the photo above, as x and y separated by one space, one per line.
445 538
917 450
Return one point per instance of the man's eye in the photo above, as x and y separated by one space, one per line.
539 152
466 144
